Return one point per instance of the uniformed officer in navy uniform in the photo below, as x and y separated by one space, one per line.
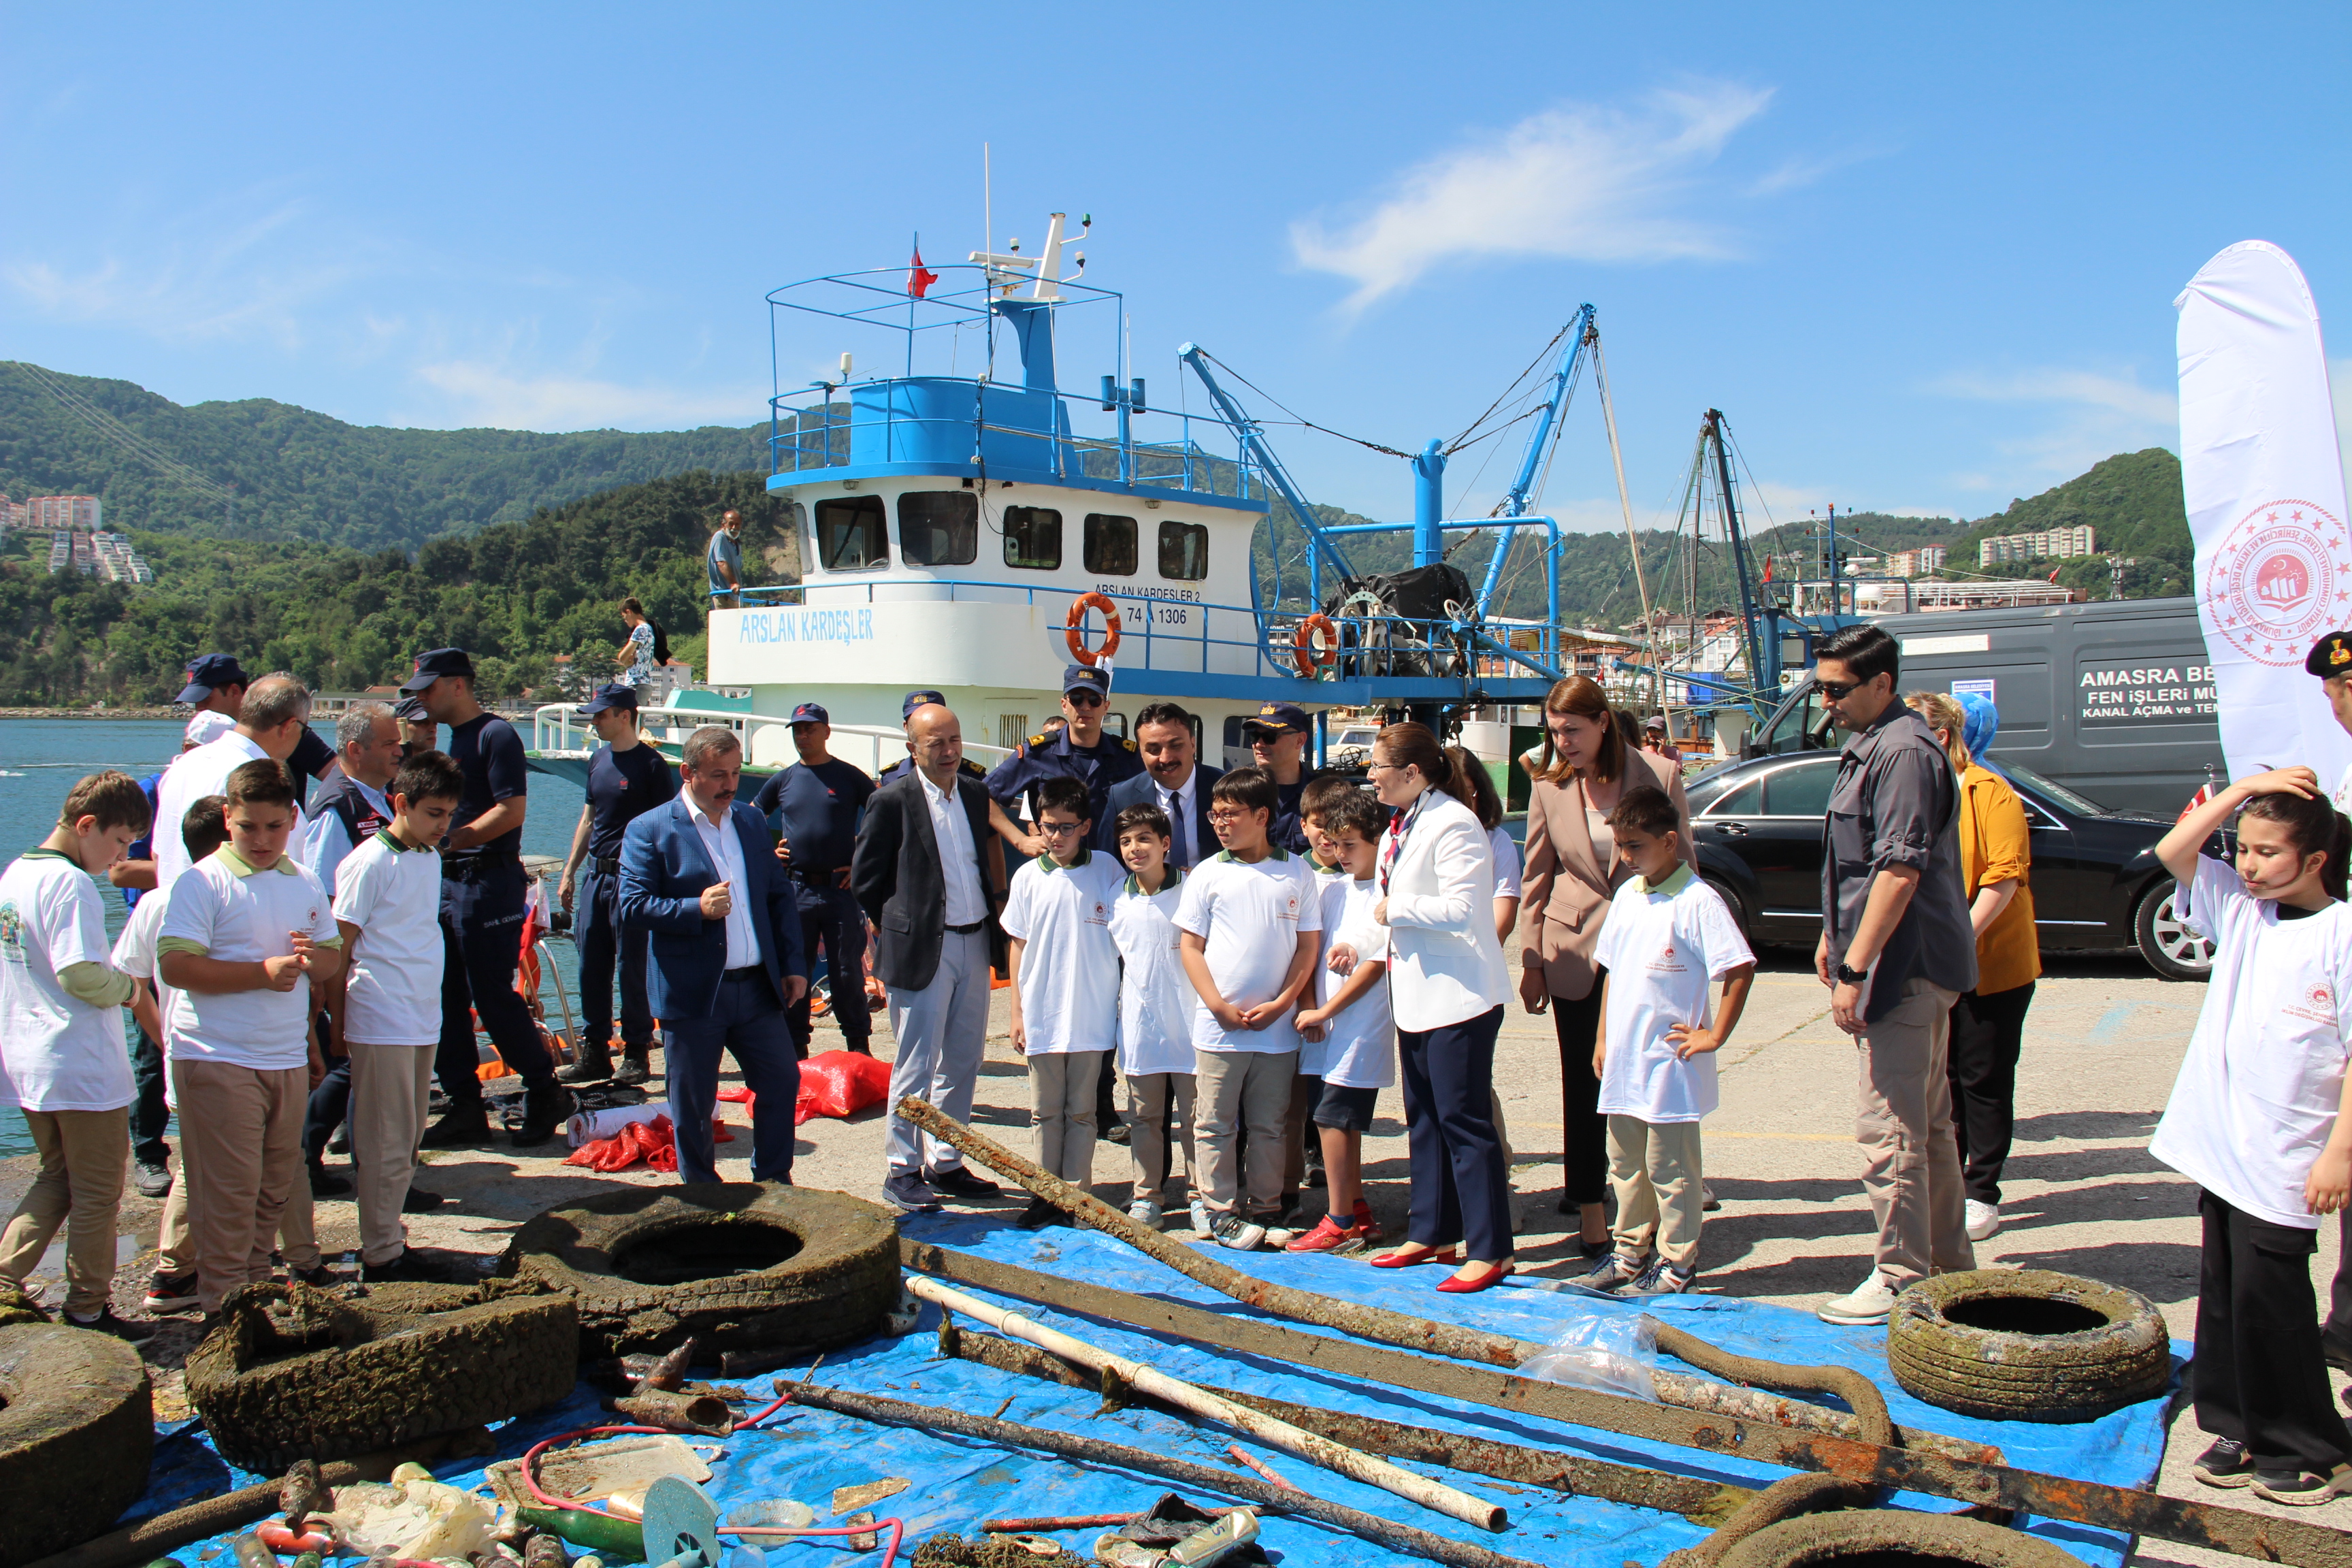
626 778
1080 751
818 801
1277 735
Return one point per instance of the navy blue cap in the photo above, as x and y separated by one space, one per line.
810 713
212 672
1278 719
919 700
2331 655
611 697
431 666
411 711
1085 678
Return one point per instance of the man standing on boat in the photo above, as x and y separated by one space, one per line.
725 559
932 879
1278 736
626 778
1081 751
483 889
821 798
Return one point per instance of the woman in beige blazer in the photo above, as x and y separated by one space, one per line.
1572 871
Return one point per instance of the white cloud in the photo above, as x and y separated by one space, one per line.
2088 415
1578 181
485 395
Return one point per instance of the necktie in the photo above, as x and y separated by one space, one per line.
1180 826
1397 825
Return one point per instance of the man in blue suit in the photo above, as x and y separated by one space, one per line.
1174 779
700 872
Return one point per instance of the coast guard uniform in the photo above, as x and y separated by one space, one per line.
1110 760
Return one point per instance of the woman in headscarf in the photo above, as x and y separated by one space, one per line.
1987 1023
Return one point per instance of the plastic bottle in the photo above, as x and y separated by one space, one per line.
250 1552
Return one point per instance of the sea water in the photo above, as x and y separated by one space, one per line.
41 758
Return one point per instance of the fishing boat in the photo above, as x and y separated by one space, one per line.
973 532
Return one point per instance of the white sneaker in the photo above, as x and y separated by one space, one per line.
1278 1237
1144 1212
1871 1301
1983 1220
1200 1212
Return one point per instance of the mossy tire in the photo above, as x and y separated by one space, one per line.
1886 1537
77 1435
403 1363
2027 1345
629 1260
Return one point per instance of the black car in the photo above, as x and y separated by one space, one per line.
2096 881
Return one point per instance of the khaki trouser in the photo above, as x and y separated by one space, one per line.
1233 1090
80 1188
298 1239
1903 1124
1146 1115
390 1087
1062 1089
1654 1168
241 1153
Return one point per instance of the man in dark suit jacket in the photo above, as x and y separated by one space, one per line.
700 872
1174 779
931 875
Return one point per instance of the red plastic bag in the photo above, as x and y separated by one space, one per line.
654 1142
840 1083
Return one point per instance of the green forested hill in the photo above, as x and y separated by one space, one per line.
2132 499
297 475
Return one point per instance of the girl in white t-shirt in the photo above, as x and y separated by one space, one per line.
2258 1120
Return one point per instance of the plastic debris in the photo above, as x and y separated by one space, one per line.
840 1084
1609 1354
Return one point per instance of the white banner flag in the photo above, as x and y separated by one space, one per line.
2265 488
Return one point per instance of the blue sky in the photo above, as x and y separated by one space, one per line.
1923 260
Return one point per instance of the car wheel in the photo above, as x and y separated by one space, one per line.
2164 939
1731 901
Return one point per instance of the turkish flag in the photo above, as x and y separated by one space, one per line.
2053 573
1768 568
919 277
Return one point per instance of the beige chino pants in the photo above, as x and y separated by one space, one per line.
1234 1090
79 1188
1654 1169
1904 1123
1062 1089
241 1157
1146 1102
390 1087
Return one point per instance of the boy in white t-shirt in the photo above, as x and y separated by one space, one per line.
1249 916
1355 1055
248 932
386 1002
61 1042
1668 935
1155 1011
1065 985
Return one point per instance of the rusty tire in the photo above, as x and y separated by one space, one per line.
630 1260
1886 1536
359 1375
2027 1345
76 1433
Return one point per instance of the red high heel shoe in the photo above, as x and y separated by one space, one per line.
1402 1260
1456 1285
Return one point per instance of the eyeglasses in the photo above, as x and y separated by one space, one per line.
1837 690
1082 697
1055 829
1227 814
1392 767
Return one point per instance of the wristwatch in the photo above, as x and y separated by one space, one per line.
1851 976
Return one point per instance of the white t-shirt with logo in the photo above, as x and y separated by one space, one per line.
1248 915
222 908
393 893
134 955
1156 999
1662 947
1359 1045
1507 884
2259 1089
1069 967
61 1053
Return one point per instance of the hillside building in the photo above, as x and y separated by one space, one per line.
117 561
1924 561
2051 544
81 513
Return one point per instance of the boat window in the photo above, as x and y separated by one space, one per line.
1033 538
850 534
1803 790
1011 729
1110 544
1184 550
939 528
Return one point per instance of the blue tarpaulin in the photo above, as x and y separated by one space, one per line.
955 1483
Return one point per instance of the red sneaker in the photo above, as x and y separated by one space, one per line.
1326 1236
1361 1225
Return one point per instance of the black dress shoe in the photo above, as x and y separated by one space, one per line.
961 1182
130 1330
1038 1215
414 1265
419 1201
909 1194
463 1126
325 1184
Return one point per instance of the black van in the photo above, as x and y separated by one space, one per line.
2114 700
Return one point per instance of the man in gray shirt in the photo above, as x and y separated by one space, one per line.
1896 951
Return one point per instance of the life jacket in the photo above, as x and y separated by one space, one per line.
341 795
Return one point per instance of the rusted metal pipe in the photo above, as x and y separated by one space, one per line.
1989 1485
1090 1450
1869 1425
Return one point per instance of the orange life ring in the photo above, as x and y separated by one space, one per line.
1075 629
1303 644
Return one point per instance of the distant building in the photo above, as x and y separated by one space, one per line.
1905 598
2052 544
80 512
117 561
1924 561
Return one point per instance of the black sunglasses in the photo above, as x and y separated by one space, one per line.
1082 697
1838 690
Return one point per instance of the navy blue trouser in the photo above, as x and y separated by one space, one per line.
747 1021
329 1102
1461 1190
603 946
830 918
481 942
149 1114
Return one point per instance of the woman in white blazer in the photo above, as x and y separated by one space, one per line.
1448 984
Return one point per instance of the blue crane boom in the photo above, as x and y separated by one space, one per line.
1515 501
1254 439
